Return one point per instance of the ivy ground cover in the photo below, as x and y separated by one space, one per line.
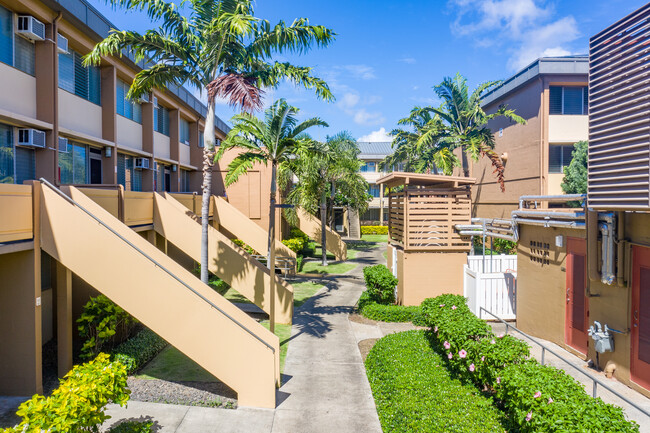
414 392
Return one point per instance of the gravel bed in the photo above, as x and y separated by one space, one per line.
207 394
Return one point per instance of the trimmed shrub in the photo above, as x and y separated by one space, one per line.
137 351
101 323
79 403
380 284
245 246
297 233
133 427
374 230
502 364
388 313
414 392
295 244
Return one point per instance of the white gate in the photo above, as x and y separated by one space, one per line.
491 283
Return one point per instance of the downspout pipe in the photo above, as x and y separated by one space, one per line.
620 253
607 231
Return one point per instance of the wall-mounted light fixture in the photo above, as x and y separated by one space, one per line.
174 168
108 151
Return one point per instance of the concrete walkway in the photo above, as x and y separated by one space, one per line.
325 388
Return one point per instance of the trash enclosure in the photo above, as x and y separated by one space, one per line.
425 252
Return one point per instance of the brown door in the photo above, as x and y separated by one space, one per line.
577 309
640 362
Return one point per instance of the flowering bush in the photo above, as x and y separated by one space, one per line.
536 397
380 284
374 230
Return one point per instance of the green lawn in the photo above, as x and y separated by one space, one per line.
374 238
234 296
284 333
172 364
334 268
303 291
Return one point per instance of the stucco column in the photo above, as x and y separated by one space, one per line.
109 122
174 150
147 144
64 318
46 72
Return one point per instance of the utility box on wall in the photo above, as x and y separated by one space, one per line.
425 251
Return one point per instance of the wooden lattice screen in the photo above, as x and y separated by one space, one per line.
424 219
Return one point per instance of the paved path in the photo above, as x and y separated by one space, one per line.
325 388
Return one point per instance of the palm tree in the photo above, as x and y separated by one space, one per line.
220 48
277 139
464 124
334 169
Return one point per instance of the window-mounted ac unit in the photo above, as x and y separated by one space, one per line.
30 28
155 102
141 164
63 145
31 137
61 43
144 99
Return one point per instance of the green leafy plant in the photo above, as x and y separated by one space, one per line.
380 284
295 244
245 246
133 427
101 323
575 175
414 392
80 401
300 262
389 313
135 352
374 230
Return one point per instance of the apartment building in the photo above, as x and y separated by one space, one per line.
551 94
372 153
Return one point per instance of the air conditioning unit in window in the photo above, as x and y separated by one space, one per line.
31 137
30 28
63 145
141 164
144 99
155 102
61 43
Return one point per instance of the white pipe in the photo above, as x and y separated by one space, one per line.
607 231
550 223
550 215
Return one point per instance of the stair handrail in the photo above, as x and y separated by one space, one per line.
154 261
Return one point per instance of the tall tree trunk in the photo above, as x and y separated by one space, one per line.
332 212
208 162
271 255
323 227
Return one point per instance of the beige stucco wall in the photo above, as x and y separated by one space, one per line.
129 133
555 183
568 129
184 154
77 114
161 145
17 91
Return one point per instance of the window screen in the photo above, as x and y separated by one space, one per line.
125 107
136 185
559 157
6 36
24 55
75 78
201 139
161 120
66 71
184 131
25 164
573 101
555 100
6 153
121 169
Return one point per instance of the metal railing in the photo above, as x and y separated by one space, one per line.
286 265
596 382
154 261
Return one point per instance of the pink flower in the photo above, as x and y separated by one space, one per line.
446 345
435 329
529 416
462 353
498 380
550 400
538 394
493 342
453 307
500 335
471 367
442 305
449 355
482 358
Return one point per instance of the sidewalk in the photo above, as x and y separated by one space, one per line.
325 388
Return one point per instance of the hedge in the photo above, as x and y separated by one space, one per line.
374 230
380 284
414 392
389 313
502 365
135 352
295 244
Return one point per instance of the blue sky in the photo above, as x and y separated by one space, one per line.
388 54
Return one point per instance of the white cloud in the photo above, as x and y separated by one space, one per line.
363 117
349 100
528 28
408 60
363 72
380 135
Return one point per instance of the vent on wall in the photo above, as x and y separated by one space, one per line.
619 121
61 43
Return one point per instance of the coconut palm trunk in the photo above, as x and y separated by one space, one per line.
208 161
271 256
323 227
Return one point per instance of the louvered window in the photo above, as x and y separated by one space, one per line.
126 107
161 120
185 181
121 169
6 154
568 100
160 176
619 115
559 157
25 164
184 131
14 50
73 164
84 82
201 139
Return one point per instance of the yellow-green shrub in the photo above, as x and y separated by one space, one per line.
294 244
374 230
79 403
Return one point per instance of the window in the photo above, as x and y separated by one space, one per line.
374 190
184 131
568 100
559 156
125 107
159 178
14 50
161 120
185 180
73 164
83 81
6 154
369 167
129 178
201 138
